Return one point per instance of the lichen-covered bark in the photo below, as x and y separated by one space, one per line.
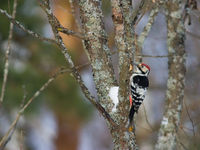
122 15
122 139
125 18
176 77
125 58
128 20
144 34
96 47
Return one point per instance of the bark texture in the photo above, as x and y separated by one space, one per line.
176 77
121 15
97 50
125 18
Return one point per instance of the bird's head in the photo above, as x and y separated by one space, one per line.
142 69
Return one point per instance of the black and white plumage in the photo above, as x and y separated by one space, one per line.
139 84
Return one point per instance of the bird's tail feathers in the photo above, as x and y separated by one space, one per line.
131 116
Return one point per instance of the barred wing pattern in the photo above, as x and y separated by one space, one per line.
139 86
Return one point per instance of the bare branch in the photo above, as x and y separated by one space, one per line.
18 24
5 76
3 145
145 32
144 6
55 24
187 136
70 32
6 137
152 56
37 93
159 56
184 147
38 36
91 98
189 118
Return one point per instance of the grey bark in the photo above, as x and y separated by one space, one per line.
123 139
96 47
176 77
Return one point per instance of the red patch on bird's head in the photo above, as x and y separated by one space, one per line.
146 66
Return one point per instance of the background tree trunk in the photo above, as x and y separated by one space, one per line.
176 77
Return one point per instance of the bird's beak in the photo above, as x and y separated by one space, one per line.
131 66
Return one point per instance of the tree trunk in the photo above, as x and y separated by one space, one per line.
123 140
176 77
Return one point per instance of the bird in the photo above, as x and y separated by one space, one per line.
139 84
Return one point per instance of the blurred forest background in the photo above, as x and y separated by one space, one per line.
61 118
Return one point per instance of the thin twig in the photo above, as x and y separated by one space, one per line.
87 94
184 132
140 10
20 112
8 135
148 26
5 76
139 40
83 65
70 32
143 12
8 138
158 56
184 147
193 130
53 21
18 24
187 136
151 56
